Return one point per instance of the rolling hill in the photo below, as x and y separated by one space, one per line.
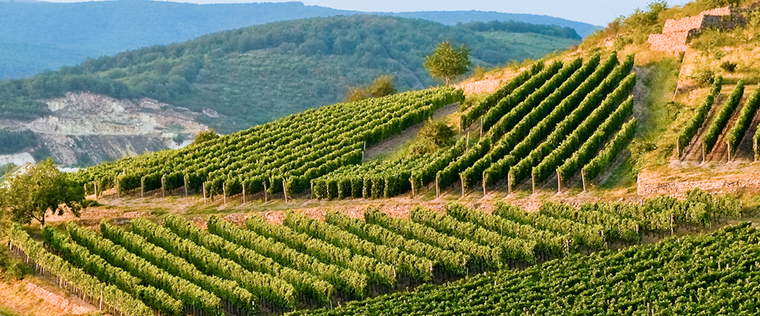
235 79
37 36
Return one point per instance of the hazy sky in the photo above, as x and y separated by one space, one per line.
598 12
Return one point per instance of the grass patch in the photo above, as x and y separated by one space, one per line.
622 176
7 312
654 141
159 211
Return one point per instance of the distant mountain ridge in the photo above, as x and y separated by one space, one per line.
454 17
38 36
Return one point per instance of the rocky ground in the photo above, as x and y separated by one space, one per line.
87 128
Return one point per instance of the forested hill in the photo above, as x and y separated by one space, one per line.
38 36
255 74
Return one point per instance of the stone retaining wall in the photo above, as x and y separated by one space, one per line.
674 42
679 188
676 33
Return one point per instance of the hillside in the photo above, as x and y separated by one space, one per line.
38 36
235 79
615 177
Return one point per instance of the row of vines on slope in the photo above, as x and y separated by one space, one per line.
178 268
284 155
719 125
536 124
692 275
549 127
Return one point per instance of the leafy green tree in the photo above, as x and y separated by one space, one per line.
40 189
448 62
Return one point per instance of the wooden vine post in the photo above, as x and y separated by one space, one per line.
509 183
467 145
284 191
265 192
533 182
481 126
118 188
204 194
729 151
163 186
437 189
224 193
412 181
583 178
678 148
243 193
185 178
559 183
703 152
461 179
142 187
95 187
484 183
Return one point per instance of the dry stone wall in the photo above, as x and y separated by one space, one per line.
676 33
680 188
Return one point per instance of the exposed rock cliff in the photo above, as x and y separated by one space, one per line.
87 128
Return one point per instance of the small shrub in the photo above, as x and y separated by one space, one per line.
478 72
703 76
471 100
728 66
433 136
354 94
205 136
382 86
12 268
15 269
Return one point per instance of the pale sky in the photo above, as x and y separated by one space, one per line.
597 12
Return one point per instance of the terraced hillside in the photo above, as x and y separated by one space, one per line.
178 268
282 156
287 217
570 119
543 120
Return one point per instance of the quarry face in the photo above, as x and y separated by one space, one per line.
87 128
